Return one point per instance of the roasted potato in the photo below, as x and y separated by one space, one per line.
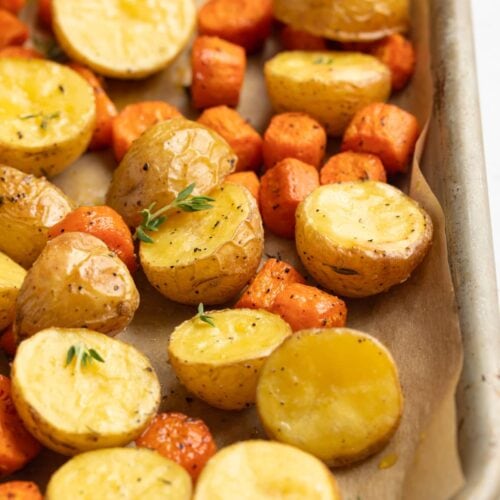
334 393
329 86
345 20
77 282
207 256
265 470
77 403
127 473
11 278
47 115
163 161
220 364
28 208
361 238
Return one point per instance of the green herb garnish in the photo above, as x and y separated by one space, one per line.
83 355
204 317
44 118
323 60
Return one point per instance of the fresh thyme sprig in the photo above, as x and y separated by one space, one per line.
83 355
204 317
44 118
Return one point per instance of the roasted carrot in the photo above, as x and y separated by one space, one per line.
20 490
135 119
294 135
386 131
184 440
218 72
12 30
293 39
282 188
241 136
103 223
8 342
24 52
269 282
13 6
45 13
350 166
243 22
247 179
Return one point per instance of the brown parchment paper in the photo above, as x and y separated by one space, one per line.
417 320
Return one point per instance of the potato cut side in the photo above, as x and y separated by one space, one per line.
127 473
361 238
11 278
77 407
266 471
207 256
334 393
47 115
124 38
220 364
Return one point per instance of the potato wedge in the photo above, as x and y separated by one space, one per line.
348 403
43 127
266 471
77 282
207 256
329 86
128 473
163 161
28 208
220 364
11 278
78 407
361 238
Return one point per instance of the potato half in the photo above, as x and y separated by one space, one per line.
329 86
77 282
28 208
77 407
334 393
361 238
11 278
220 364
47 115
207 256
265 470
165 160
128 473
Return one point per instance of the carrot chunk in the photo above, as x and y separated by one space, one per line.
218 72
8 342
45 13
247 179
12 31
294 135
13 6
241 136
20 490
350 166
384 130
293 39
24 52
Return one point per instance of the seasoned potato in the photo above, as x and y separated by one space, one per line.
11 278
348 403
207 256
345 20
77 282
265 470
220 364
28 208
128 473
329 86
80 406
361 238
47 115
163 161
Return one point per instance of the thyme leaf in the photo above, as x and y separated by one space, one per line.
204 317
82 355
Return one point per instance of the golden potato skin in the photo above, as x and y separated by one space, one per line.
163 161
11 278
29 206
329 86
77 282
345 20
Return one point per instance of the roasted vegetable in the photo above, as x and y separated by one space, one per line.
11 278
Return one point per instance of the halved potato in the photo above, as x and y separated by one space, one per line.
334 393
220 364
329 86
78 407
47 115
11 278
165 160
361 238
28 208
207 256
265 470
128 473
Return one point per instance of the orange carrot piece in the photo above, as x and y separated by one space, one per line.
386 131
240 135
187 441
20 490
247 179
294 135
8 342
45 13
350 166
293 39
282 188
24 52
13 6
12 30
218 72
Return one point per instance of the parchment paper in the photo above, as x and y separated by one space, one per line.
417 321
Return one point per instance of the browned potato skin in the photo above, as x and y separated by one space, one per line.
77 282
29 206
